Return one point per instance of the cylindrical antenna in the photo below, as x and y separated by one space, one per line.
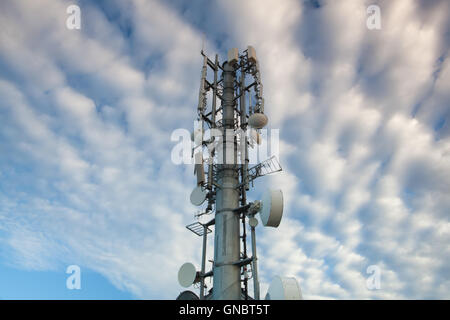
202 93
213 121
199 169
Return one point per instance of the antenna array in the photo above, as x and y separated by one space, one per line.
228 176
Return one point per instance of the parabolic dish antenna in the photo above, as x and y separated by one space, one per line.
187 274
272 208
258 120
198 196
187 295
284 288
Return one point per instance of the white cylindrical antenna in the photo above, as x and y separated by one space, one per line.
233 56
202 92
251 54
199 169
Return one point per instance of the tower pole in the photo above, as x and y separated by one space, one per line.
202 281
255 266
226 281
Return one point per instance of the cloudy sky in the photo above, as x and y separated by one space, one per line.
86 118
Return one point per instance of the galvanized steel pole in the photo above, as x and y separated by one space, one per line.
255 266
227 284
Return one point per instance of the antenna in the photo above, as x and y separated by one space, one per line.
226 182
203 42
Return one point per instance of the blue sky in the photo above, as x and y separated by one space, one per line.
86 117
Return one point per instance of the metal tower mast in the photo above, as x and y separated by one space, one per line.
223 133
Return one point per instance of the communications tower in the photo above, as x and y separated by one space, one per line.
221 143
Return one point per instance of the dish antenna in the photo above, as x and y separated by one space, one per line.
187 275
187 295
198 196
284 288
258 120
272 208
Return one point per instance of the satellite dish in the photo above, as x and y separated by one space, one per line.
198 196
284 288
187 295
272 208
187 275
258 120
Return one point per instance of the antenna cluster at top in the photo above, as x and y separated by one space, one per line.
247 121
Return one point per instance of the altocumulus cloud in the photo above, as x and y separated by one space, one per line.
86 117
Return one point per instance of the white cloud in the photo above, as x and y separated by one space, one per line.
89 114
